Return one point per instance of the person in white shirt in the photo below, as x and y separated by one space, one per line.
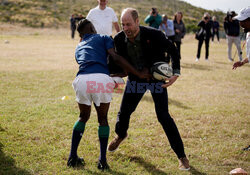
244 18
103 17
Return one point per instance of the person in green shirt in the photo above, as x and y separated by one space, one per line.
154 19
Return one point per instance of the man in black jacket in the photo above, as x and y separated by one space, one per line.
232 29
143 46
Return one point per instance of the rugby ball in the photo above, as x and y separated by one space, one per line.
161 70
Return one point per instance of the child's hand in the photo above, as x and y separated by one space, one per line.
237 64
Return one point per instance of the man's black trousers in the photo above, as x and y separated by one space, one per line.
133 93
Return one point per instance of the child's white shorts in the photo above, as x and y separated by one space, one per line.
96 87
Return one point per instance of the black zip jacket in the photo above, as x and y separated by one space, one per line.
154 45
232 28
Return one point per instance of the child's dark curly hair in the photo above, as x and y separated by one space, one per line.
81 26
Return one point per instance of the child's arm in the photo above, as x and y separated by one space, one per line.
119 75
125 65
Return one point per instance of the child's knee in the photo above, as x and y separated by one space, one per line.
103 121
84 117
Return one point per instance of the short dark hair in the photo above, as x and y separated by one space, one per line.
81 26
134 14
233 13
154 10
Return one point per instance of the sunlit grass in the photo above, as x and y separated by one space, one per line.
209 103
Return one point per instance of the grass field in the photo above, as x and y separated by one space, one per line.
209 103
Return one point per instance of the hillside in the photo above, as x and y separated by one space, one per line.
56 13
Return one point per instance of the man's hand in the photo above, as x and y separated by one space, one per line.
169 81
153 14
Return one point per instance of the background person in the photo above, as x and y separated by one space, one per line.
232 29
93 84
72 25
74 19
153 19
205 26
244 18
78 18
180 30
216 27
142 47
167 27
103 18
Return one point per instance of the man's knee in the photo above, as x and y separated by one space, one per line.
125 112
164 117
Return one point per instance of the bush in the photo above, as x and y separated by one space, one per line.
191 28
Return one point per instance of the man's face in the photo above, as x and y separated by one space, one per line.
129 26
102 2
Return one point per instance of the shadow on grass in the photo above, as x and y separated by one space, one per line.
177 103
7 164
110 171
229 63
224 63
170 101
195 172
152 169
195 66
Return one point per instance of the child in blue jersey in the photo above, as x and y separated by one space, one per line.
93 84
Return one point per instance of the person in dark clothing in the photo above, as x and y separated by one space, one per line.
180 30
74 19
216 27
78 18
205 35
232 29
142 47
73 25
